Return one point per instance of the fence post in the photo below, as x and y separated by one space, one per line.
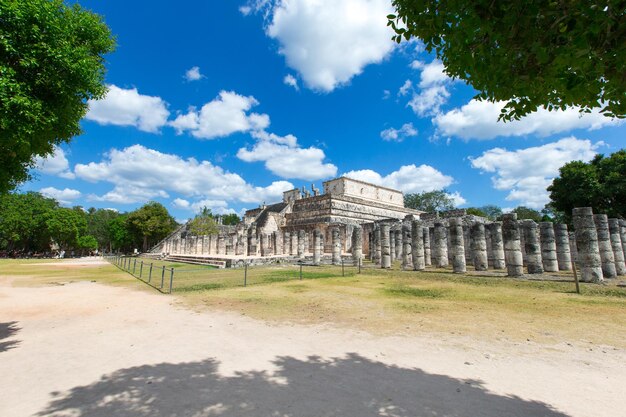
134 265
343 274
359 262
150 274
171 279
245 274
162 276
300 271
140 269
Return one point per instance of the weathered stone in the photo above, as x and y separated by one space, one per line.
587 245
616 244
479 246
336 242
548 247
301 243
512 245
563 253
622 232
357 244
407 261
440 246
317 247
573 249
467 244
385 246
378 240
426 234
604 246
457 245
417 245
532 247
496 245
398 245
392 244
286 243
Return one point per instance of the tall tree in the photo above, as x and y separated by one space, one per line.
23 221
230 219
429 201
152 222
532 53
119 233
98 221
66 226
492 212
203 223
527 213
51 64
600 183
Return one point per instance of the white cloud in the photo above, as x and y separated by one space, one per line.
398 135
433 74
527 172
327 41
193 74
225 115
406 87
457 198
416 65
181 203
479 120
432 92
123 107
64 197
408 179
55 164
139 174
291 81
216 206
284 157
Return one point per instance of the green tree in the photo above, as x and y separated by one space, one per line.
491 211
151 222
530 53
87 243
51 64
23 221
527 213
119 234
475 211
98 224
230 219
429 201
66 225
203 223
600 183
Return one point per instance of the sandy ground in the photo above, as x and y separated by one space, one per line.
85 349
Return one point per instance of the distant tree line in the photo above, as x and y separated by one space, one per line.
31 223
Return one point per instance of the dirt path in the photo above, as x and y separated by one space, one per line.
85 349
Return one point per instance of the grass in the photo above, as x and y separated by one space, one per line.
383 302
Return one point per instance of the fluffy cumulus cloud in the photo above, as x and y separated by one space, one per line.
193 74
55 164
432 90
65 196
398 135
291 81
408 179
526 173
216 206
327 41
284 157
228 113
139 174
479 120
126 107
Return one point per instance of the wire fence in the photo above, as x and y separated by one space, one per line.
173 276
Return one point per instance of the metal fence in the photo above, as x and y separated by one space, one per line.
174 276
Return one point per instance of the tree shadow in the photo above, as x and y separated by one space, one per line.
7 330
352 386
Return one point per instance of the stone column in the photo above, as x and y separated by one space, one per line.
301 243
534 262
378 239
512 245
467 244
587 245
497 247
440 246
426 233
317 247
604 245
622 232
563 256
286 243
417 245
357 244
392 244
370 245
336 242
385 260
548 247
399 244
457 245
479 246
407 252
573 249
278 242
616 244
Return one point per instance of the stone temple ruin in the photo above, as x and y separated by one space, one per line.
353 220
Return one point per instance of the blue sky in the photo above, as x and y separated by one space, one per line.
229 103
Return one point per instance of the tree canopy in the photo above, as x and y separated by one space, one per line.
600 184
51 64
429 201
529 53
152 222
203 223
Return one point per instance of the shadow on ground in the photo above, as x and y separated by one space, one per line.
349 387
7 330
